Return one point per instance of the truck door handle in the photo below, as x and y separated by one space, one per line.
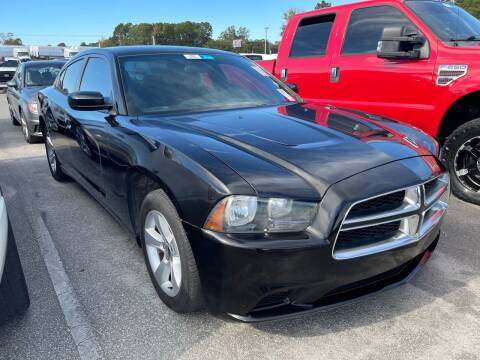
334 74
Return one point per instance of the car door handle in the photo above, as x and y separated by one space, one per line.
335 74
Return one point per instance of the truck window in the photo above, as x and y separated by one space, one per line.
366 25
311 37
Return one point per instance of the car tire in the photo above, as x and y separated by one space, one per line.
14 298
14 120
461 155
29 138
157 213
53 163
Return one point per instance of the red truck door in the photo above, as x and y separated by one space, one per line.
401 89
307 49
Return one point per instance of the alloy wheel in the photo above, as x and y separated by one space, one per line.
162 253
467 164
25 130
52 157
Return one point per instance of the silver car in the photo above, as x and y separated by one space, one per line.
14 297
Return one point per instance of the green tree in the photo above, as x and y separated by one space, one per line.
62 44
472 6
12 41
232 33
287 15
322 4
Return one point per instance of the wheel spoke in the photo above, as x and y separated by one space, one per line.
162 274
153 238
165 229
474 151
176 273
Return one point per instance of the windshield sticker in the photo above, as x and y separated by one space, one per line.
198 57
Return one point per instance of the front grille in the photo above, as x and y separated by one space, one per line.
379 204
367 235
392 220
6 76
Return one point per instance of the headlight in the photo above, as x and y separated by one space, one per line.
249 214
33 107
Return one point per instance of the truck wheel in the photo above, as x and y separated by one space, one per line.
14 297
461 154
168 255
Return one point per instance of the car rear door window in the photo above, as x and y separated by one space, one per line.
366 26
311 37
71 77
96 77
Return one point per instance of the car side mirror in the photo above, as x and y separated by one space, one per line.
397 43
12 84
87 101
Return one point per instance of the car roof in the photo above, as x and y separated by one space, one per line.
150 49
44 62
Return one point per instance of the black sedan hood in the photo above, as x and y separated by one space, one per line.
321 145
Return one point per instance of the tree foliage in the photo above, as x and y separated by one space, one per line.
184 33
9 39
287 15
232 33
62 44
472 6
322 4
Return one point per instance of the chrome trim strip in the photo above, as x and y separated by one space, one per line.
426 221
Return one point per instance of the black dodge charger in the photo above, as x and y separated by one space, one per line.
243 197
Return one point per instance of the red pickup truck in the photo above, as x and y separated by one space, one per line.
416 61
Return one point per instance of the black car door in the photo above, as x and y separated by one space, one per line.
90 128
59 116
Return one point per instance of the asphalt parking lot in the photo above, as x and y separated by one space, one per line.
92 298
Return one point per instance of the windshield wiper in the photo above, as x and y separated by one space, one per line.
470 38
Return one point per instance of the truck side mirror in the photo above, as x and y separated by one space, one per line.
397 43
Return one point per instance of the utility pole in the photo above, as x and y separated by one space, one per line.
266 39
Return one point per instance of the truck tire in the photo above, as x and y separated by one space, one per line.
170 263
461 155
14 297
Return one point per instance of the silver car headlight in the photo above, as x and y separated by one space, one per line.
249 214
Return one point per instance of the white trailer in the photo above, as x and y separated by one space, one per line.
6 51
46 52
68 53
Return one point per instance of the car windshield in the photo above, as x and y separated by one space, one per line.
41 75
448 21
183 83
9 63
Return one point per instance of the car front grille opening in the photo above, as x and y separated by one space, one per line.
391 220
367 235
379 204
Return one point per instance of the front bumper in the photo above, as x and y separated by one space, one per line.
265 277
254 284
